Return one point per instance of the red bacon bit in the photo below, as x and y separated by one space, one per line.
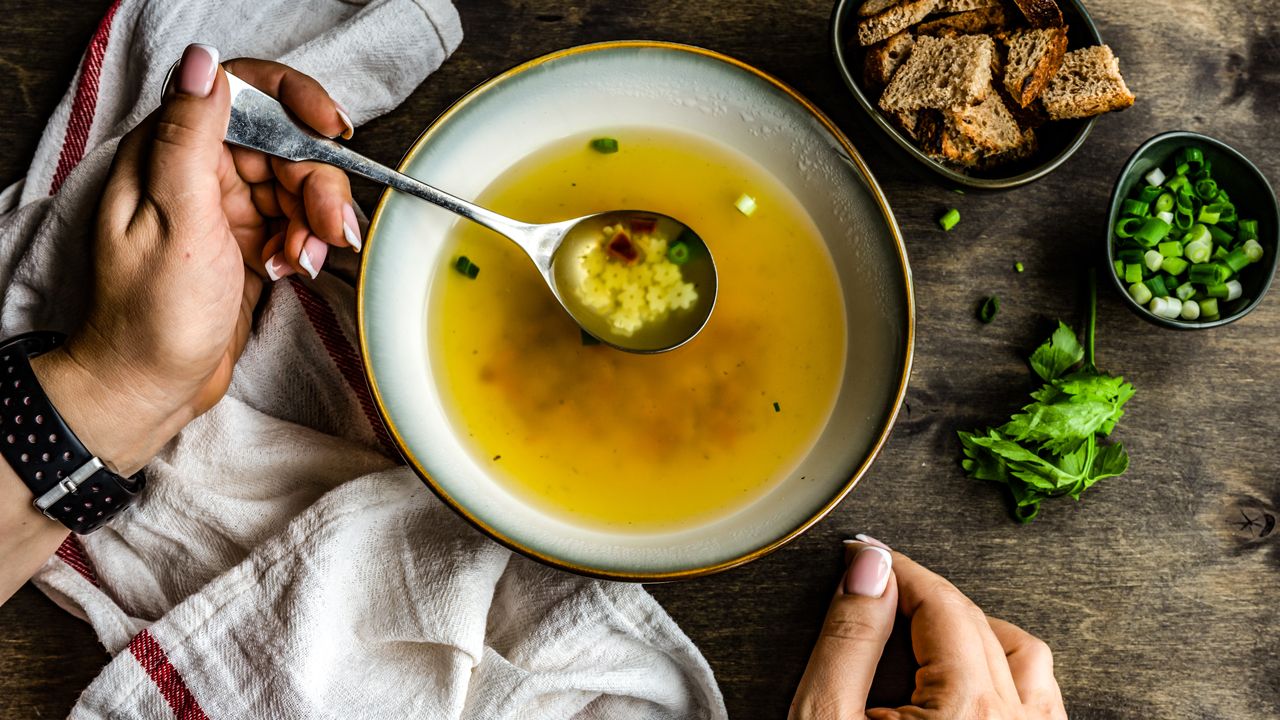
621 248
643 225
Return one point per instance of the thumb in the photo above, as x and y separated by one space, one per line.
838 677
190 126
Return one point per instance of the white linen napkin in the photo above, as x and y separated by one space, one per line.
282 563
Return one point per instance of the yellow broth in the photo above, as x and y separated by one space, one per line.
604 438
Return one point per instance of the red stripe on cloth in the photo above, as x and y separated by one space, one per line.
72 553
168 680
344 356
85 102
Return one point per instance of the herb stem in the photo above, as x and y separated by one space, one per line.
1093 317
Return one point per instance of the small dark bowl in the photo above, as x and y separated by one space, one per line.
1250 193
1058 139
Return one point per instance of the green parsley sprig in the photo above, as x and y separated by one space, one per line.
1052 447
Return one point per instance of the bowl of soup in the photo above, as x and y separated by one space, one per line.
628 466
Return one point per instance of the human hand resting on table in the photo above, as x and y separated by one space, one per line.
188 230
972 667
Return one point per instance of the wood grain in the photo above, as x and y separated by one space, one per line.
1157 592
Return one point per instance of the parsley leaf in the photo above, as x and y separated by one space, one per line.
1051 448
1058 353
1071 410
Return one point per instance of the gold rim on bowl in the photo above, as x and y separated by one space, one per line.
512 544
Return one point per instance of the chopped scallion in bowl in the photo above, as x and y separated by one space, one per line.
1192 232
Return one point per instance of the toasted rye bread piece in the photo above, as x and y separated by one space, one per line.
1032 116
975 138
956 6
987 124
1088 83
884 58
1034 58
983 20
939 140
1040 13
1026 147
955 148
875 7
929 126
897 18
942 73
907 121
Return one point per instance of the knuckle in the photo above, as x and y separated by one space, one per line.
1038 652
952 601
933 676
939 587
975 613
987 706
1045 708
326 178
850 628
169 131
945 592
308 176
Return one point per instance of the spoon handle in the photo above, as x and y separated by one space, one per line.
261 123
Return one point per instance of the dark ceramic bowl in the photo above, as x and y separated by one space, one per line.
1250 193
1058 139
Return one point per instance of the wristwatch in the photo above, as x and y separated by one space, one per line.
70 484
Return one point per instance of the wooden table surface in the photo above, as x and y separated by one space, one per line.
1158 592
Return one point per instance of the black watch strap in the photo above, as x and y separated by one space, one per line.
70 484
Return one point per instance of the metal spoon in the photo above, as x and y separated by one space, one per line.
259 122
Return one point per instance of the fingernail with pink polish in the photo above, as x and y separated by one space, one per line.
197 70
346 120
868 574
351 227
314 251
278 266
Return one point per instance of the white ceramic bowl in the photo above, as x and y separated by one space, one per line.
662 85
